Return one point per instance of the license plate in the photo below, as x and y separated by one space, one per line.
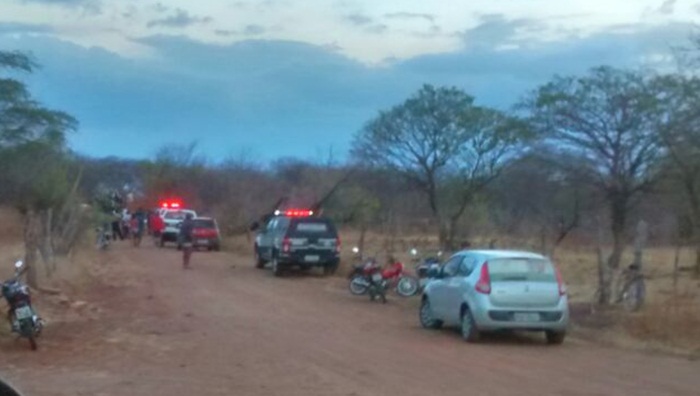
23 313
312 259
203 241
526 317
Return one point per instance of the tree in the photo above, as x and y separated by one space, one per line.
535 197
32 149
445 145
605 122
679 130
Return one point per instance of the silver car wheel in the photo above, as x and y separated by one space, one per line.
427 319
468 329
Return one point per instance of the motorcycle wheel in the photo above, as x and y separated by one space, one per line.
358 286
407 286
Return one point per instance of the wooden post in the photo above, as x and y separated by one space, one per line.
603 269
640 241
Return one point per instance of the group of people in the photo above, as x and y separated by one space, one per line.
136 224
112 208
126 224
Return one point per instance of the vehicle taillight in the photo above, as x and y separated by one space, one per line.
286 245
560 281
484 284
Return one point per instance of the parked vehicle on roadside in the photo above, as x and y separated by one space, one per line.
23 318
363 279
297 238
424 265
172 219
490 290
205 234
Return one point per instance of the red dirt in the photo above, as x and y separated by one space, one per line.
220 330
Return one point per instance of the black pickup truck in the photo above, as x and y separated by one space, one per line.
298 239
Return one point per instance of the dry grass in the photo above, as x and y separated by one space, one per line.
673 322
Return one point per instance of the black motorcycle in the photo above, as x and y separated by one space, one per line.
425 267
22 316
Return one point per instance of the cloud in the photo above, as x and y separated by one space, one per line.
368 24
411 15
22 28
358 19
60 2
248 30
499 76
496 29
179 19
254 30
667 7
302 97
91 6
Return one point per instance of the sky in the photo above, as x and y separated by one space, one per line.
290 78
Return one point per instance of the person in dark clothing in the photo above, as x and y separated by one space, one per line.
185 239
117 229
138 226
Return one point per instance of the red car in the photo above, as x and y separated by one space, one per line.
206 234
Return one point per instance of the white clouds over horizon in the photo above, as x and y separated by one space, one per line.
244 73
391 29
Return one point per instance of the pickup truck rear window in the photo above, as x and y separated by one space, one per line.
179 215
312 227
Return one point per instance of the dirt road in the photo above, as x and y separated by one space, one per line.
225 330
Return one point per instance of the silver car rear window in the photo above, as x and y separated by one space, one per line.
521 269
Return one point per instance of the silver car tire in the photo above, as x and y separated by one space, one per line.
468 327
427 320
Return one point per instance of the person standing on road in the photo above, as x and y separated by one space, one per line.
138 225
185 239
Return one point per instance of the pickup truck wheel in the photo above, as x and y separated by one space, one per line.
259 262
276 269
327 270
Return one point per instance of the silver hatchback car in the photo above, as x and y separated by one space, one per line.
490 290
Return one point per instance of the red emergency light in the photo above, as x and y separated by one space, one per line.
171 205
295 213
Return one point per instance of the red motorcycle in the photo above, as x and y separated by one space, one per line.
373 279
